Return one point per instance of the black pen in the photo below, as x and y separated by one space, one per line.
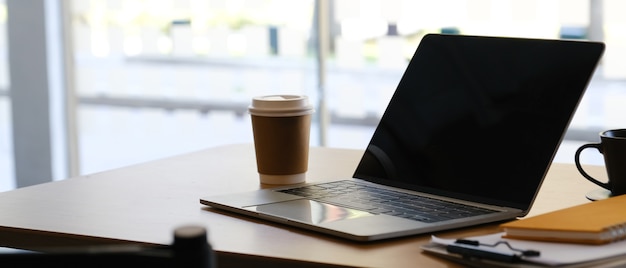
468 251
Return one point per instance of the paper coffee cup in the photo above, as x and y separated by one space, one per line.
281 127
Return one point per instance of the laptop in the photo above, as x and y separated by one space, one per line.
467 138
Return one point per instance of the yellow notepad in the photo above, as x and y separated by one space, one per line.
597 222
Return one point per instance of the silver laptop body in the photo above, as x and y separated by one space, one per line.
474 120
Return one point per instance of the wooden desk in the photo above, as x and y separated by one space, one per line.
145 202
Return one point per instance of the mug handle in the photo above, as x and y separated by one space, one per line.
580 168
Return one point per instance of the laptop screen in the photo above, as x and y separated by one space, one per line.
479 118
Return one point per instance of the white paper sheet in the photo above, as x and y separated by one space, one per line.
551 253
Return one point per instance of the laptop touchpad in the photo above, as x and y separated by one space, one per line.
309 211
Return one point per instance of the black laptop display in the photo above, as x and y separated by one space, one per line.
479 118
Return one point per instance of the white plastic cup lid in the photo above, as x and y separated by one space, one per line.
280 105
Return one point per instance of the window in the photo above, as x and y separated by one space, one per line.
158 78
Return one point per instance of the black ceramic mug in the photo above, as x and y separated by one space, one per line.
613 147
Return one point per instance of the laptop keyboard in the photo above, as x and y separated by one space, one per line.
383 201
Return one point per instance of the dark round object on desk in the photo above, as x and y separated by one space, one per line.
191 248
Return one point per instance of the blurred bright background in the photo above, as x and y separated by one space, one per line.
158 78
